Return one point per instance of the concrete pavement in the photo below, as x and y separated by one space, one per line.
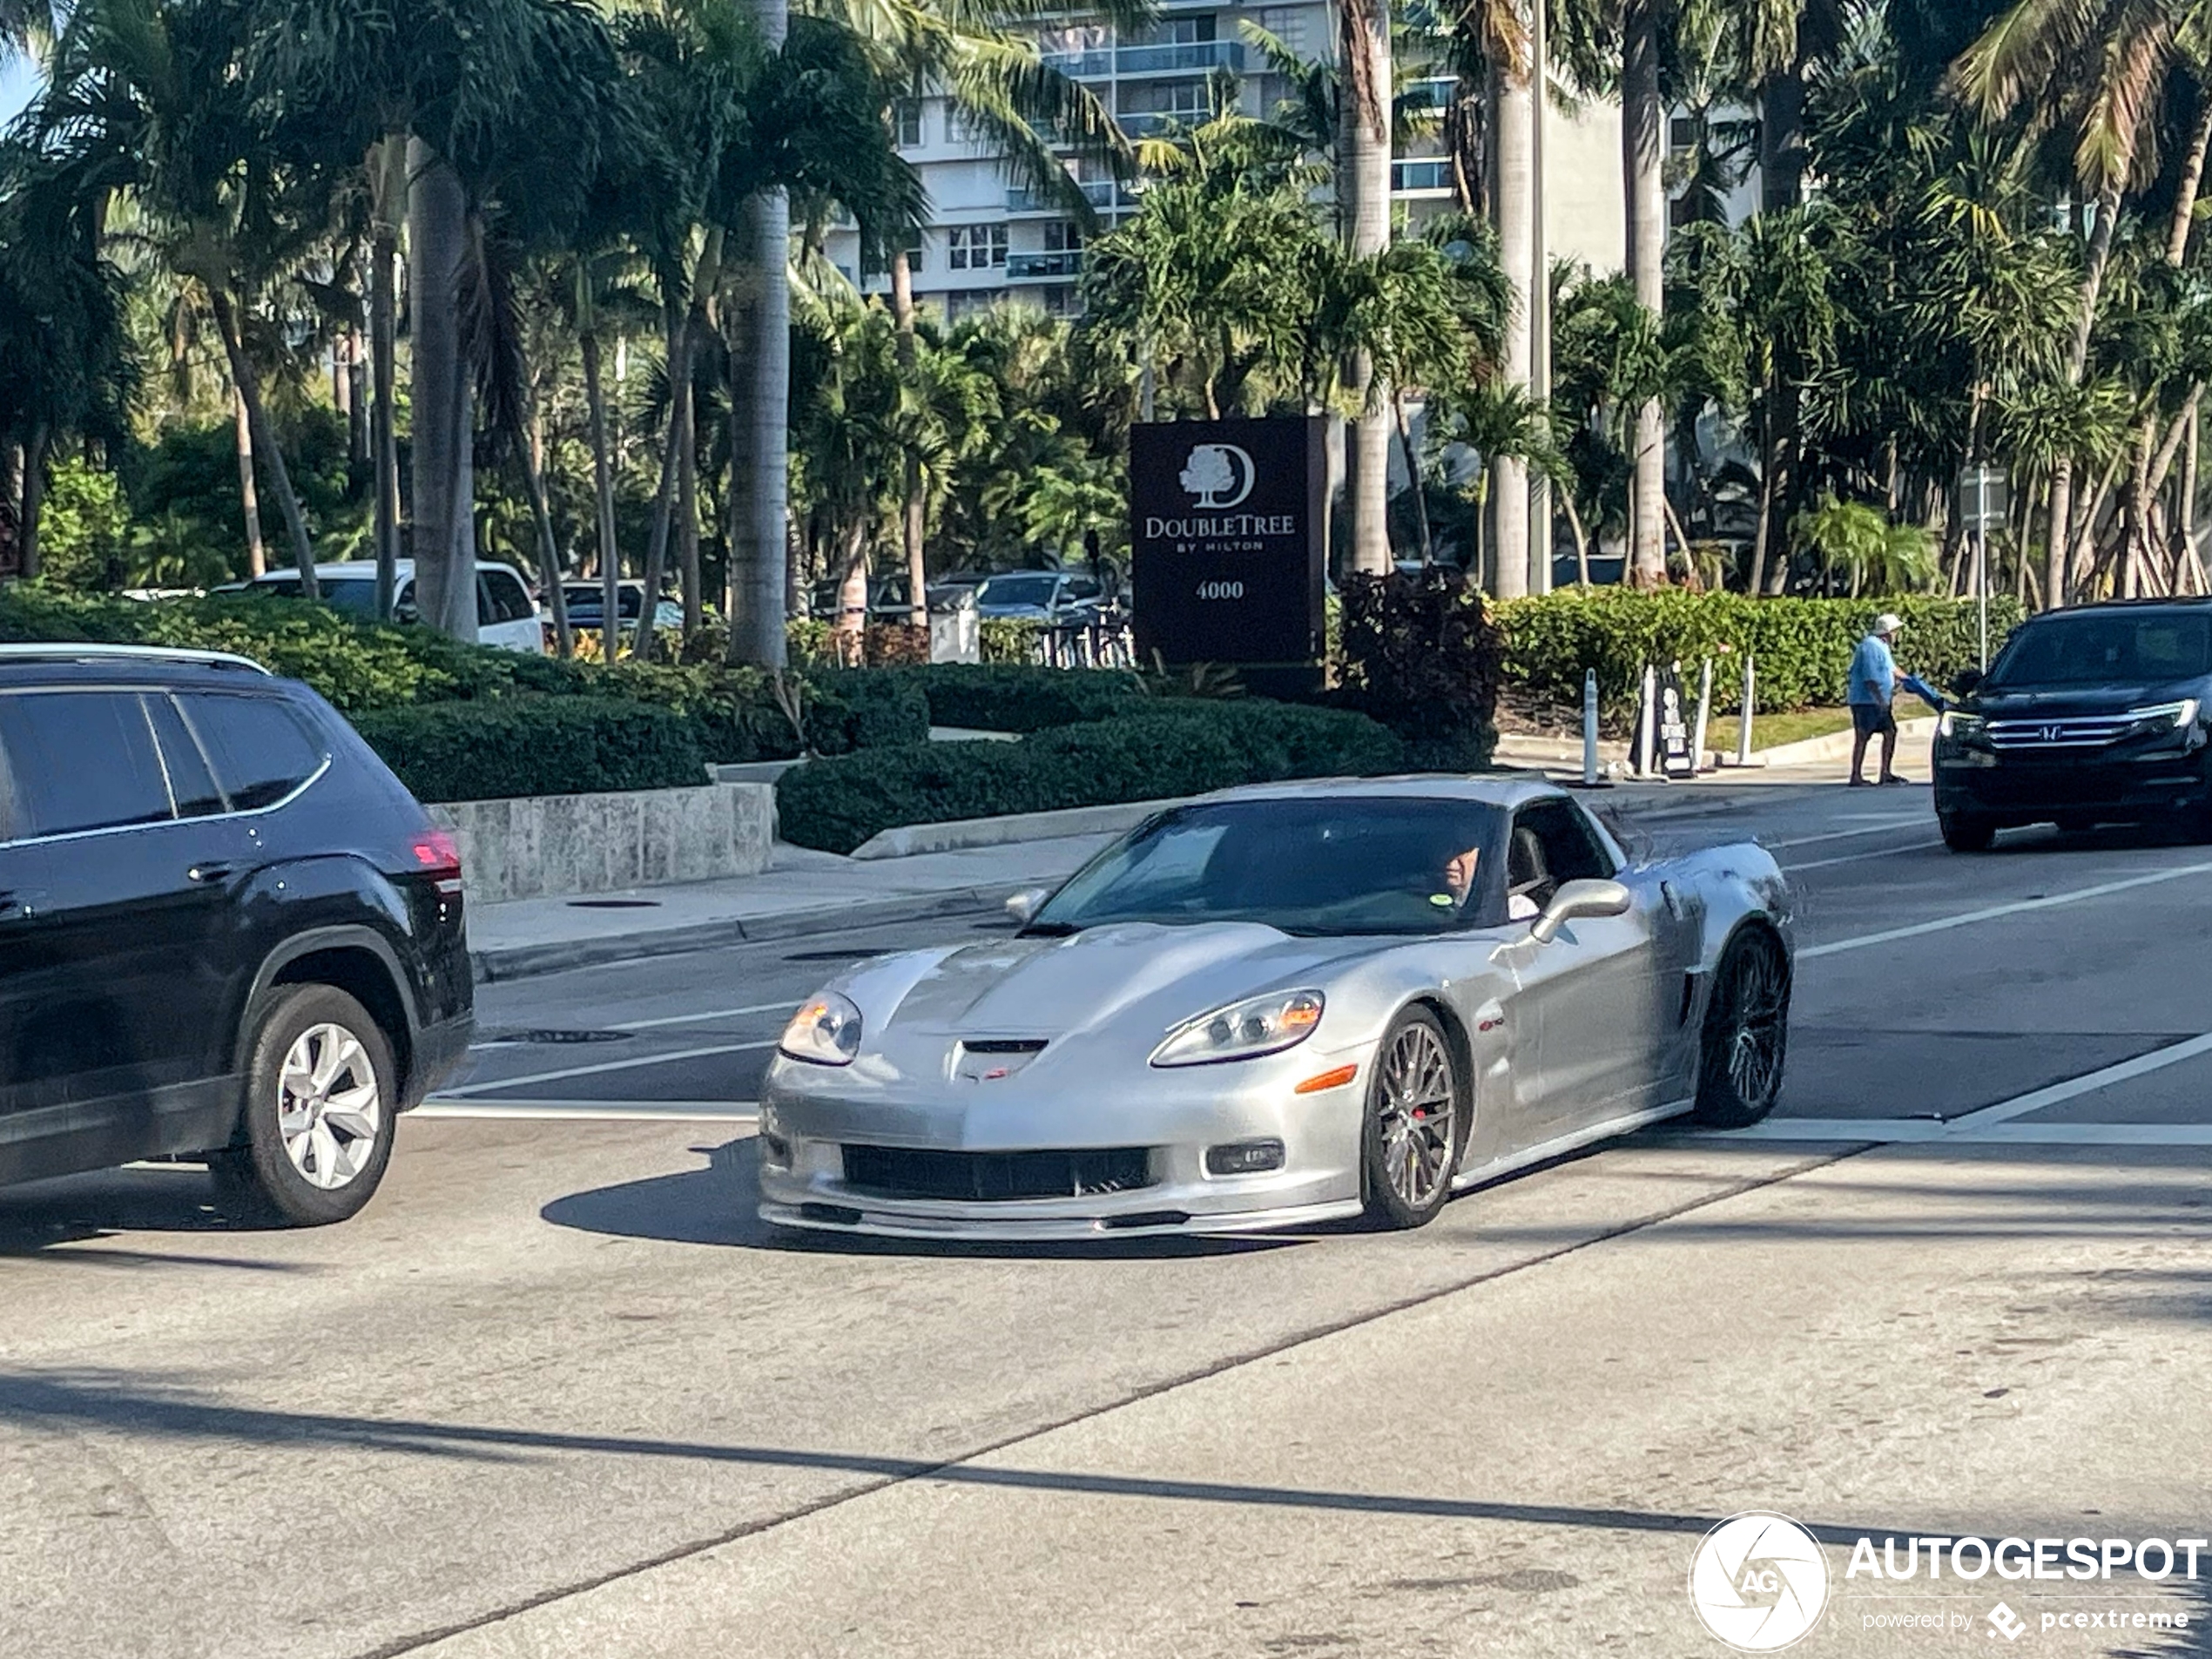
558 1393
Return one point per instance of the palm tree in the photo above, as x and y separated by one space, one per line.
1514 78
1363 200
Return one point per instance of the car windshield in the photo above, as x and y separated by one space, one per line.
1329 864
352 595
2106 648
1017 590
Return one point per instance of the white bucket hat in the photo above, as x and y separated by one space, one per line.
1888 623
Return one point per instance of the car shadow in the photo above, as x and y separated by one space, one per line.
150 1197
715 1205
2103 838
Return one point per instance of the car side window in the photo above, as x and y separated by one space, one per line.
192 785
1551 844
502 597
261 752
82 760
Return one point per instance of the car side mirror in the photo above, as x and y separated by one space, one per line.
1575 900
1027 903
1967 682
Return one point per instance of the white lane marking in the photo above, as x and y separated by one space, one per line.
1881 828
1964 919
591 1111
2021 1106
1860 857
783 1007
490 1084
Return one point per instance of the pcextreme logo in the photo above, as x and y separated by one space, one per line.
1759 1581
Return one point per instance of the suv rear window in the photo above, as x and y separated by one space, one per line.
259 751
2114 647
82 760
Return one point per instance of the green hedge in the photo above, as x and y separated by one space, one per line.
1802 647
495 749
1166 750
1008 697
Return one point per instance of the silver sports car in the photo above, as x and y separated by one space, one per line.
1279 1005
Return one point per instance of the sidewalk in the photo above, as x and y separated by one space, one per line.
805 893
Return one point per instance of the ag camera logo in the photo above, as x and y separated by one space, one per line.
1759 1581
1218 475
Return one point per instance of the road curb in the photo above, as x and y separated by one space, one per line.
531 961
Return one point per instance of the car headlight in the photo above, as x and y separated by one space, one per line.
825 1032
2181 713
1243 1030
1955 724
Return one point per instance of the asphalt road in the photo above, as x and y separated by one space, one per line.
558 1393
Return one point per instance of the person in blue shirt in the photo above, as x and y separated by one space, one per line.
1874 682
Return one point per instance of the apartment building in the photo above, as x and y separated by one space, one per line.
990 239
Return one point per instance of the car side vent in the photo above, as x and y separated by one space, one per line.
1689 998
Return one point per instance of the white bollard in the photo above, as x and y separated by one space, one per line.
1647 724
1744 728
1704 711
1589 728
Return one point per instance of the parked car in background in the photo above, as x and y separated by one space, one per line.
506 613
1058 598
227 932
587 603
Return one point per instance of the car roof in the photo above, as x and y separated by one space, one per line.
2165 602
1492 789
365 570
77 662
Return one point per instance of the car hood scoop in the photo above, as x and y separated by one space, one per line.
1026 989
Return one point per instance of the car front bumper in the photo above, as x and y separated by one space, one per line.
810 1114
2028 789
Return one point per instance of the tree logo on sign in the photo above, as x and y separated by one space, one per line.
1218 475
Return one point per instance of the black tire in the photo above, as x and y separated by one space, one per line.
1406 1164
1746 1036
1965 833
258 1177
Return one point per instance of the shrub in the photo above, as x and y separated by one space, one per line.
535 746
1010 696
1166 750
1421 655
1802 647
1008 639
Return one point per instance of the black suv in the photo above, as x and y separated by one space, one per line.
226 931
2097 714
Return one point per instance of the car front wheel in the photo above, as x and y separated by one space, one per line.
1964 833
315 1131
1416 1123
1747 1034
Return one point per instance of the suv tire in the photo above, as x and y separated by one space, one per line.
314 1131
1965 833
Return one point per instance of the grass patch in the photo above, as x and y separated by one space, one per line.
1772 730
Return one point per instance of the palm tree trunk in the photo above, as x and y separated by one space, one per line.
1641 159
687 517
266 448
388 193
1514 142
1413 476
1364 183
1782 137
914 521
34 501
257 557
1770 465
758 552
548 552
2192 180
1582 538
445 588
2054 582
603 482
679 399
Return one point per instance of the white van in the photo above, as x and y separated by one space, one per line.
506 615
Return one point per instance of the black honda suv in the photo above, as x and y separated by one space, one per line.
226 931
2097 714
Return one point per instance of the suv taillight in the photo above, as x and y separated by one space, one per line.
437 855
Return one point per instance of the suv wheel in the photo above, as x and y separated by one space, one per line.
315 1132
1963 833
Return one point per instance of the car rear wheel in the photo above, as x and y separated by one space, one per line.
1746 1035
1965 833
1416 1123
315 1133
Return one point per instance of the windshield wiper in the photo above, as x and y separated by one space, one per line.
1048 930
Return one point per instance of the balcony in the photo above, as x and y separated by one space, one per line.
1099 192
1146 123
1179 58
1044 267
1095 64
1420 178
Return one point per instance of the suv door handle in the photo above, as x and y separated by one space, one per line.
210 872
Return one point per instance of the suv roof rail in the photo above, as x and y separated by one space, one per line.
94 652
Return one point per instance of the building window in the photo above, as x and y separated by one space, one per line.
1060 236
1287 25
1176 31
977 247
905 116
1681 134
917 259
1164 98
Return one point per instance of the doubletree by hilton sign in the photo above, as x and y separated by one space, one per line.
1227 558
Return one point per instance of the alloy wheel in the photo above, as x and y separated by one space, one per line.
329 1108
1758 1003
1416 1115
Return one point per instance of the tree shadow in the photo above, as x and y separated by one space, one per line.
717 1206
